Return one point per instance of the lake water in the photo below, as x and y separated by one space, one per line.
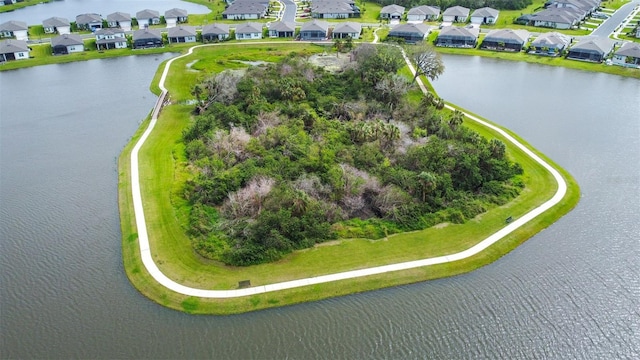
69 9
571 291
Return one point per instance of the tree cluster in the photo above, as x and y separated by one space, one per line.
287 155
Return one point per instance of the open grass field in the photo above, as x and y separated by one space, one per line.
163 163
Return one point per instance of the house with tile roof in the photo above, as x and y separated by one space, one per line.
67 44
423 13
410 32
119 20
454 36
89 21
215 32
505 40
110 38
314 30
484 16
282 29
57 25
147 17
347 30
182 34
17 29
13 50
249 31
627 55
592 48
175 16
550 44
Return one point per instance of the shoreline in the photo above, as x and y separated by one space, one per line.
145 257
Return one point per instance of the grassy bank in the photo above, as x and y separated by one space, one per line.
162 162
20 5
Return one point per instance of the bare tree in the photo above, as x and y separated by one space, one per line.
428 61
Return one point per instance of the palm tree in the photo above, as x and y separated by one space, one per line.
456 119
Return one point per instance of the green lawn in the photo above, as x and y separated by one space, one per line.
613 4
22 4
162 162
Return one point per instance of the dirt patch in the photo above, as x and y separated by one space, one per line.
331 62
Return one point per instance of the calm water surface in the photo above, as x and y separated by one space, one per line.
572 291
69 9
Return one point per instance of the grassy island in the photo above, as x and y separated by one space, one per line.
165 169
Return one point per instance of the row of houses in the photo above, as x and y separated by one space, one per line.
58 25
454 14
561 14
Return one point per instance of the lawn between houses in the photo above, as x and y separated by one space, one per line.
162 174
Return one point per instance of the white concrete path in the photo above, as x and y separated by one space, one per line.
154 271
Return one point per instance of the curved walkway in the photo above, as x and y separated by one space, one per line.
152 268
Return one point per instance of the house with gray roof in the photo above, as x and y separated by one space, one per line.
282 29
90 21
248 31
110 38
392 12
423 13
454 36
56 24
505 40
182 34
314 30
175 16
17 29
628 55
147 38
550 44
13 50
147 17
411 32
592 48
347 30
67 44
246 10
334 9
119 20
484 16
556 18
455 14
215 32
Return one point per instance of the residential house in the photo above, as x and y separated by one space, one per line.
13 50
215 32
56 25
484 16
282 29
17 29
248 31
175 16
556 18
423 13
505 40
182 34
67 44
392 12
89 21
453 36
628 55
314 30
147 18
455 14
119 20
147 38
410 32
110 39
550 44
246 10
347 30
334 9
592 48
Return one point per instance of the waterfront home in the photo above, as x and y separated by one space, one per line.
182 34
215 32
119 20
314 30
147 17
455 14
411 33
550 44
13 50
454 36
67 44
628 55
56 24
334 9
110 38
505 40
175 16
17 29
556 18
246 10
248 31
147 38
484 16
593 48
423 13
89 21
392 12
347 30
281 29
